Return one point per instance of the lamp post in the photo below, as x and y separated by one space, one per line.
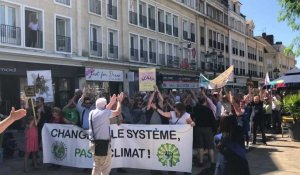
215 61
276 72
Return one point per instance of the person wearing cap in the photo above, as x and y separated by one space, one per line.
99 122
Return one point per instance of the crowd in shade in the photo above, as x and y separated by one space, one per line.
223 122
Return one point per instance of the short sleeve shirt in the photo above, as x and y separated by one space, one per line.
181 121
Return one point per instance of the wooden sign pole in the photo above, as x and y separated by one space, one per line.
34 115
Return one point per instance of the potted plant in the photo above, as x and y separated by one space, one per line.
291 105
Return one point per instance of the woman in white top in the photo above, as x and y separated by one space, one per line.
178 116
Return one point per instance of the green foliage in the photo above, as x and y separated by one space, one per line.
291 104
290 12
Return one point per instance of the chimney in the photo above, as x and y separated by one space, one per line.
269 38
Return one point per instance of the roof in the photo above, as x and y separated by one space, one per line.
293 71
268 46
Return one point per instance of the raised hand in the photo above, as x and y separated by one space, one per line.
113 99
153 106
17 115
120 97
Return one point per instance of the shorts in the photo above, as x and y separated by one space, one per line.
204 138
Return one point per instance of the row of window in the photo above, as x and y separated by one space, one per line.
238 48
144 15
216 14
239 67
217 41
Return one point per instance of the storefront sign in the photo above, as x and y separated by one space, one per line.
8 69
92 74
153 147
147 79
42 81
179 82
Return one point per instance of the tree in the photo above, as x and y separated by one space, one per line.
290 12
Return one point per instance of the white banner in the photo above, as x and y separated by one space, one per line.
154 147
92 74
42 81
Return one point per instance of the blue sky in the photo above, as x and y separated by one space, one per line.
265 14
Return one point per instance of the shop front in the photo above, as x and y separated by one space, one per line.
13 79
105 80
179 82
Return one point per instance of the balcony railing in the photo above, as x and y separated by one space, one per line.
152 57
202 41
162 59
95 6
143 20
134 54
193 38
144 56
169 29
175 31
34 39
151 22
185 35
63 43
133 17
10 34
66 2
95 49
113 51
169 60
176 61
112 11
161 27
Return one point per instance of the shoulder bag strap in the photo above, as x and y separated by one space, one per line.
92 127
178 118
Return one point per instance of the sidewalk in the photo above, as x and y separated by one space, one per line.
279 157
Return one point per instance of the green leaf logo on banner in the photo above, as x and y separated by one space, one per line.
59 150
168 155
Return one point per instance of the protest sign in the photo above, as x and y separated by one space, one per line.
147 79
154 147
221 80
42 81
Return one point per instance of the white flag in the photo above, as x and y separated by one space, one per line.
267 79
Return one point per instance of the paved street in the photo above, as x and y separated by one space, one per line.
280 157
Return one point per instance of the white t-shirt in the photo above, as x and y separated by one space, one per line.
33 26
181 121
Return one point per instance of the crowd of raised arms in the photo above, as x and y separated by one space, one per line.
210 112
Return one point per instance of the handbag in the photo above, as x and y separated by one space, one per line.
101 146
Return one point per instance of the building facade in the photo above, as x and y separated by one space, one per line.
180 38
276 62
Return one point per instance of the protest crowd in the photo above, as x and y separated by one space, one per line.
224 123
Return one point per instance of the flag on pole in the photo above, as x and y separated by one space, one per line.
267 79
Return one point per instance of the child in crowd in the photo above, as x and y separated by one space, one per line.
31 143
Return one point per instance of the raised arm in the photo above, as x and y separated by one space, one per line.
119 99
14 116
165 114
112 102
210 104
235 105
150 100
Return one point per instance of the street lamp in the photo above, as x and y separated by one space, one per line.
215 61
276 72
